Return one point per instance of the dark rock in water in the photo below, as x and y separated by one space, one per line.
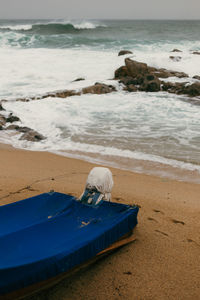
1 107
131 88
24 129
2 120
59 94
123 52
78 79
173 87
1 127
150 84
12 119
121 72
193 89
128 80
98 88
182 88
178 74
62 94
12 127
18 128
163 73
196 52
32 136
176 50
196 77
175 58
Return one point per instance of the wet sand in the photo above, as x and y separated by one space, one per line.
163 262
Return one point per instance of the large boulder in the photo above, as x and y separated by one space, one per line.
98 88
124 52
136 68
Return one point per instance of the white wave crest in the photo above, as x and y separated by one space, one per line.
17 27
85 25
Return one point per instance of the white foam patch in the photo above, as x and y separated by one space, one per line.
29 72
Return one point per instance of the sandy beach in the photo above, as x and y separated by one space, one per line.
163 262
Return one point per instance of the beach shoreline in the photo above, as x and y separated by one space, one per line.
161 264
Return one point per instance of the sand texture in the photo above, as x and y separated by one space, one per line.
163 262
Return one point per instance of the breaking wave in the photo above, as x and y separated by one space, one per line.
51 27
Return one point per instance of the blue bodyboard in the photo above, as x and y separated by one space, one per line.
46 235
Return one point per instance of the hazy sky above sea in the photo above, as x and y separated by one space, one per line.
103 9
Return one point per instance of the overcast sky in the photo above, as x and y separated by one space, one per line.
94 9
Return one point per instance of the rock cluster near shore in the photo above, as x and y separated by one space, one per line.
28 133
138 76
98 88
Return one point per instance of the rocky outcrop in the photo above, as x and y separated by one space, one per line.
175 58
124 52
138 76
98 88
28 133
134 69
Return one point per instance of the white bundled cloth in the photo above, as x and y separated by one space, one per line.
99 180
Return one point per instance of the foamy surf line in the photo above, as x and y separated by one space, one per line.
172 170
124 160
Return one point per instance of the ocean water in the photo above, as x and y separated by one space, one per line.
156 133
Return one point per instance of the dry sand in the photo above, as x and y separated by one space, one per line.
164 261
